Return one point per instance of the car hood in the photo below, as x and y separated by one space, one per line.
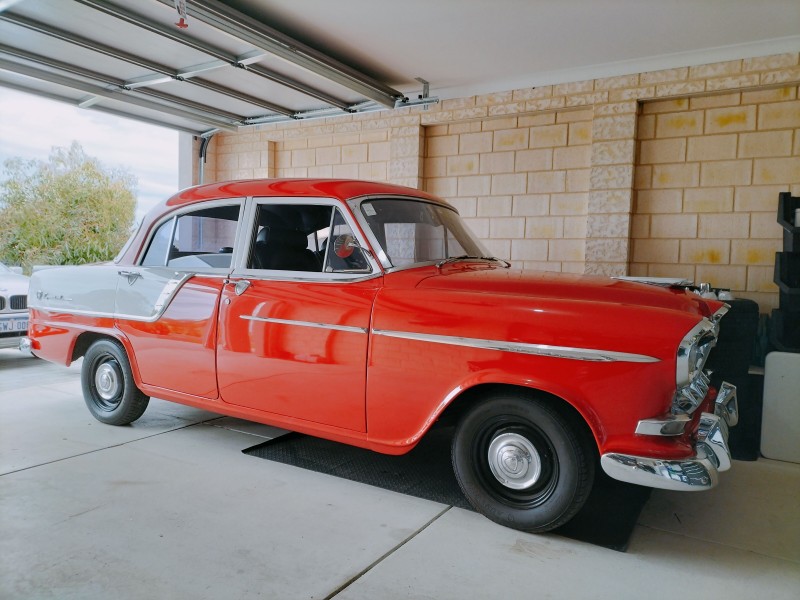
564 286
13 284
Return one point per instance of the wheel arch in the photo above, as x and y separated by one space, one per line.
87 338
467 398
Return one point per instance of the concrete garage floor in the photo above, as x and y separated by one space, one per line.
171 508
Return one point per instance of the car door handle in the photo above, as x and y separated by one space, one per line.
131 275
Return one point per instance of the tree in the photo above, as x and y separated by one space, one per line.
68 210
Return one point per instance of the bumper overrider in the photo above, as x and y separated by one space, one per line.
697 473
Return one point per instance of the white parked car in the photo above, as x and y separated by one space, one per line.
13 307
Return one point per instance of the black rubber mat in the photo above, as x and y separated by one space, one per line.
607 519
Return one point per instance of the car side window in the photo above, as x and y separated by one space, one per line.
156 255
287 237
308 238
200 239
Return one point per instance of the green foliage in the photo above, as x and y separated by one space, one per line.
68 210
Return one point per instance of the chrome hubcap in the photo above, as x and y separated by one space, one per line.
107 381
514 461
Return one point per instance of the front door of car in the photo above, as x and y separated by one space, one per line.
294 319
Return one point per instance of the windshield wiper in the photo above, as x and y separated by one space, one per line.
450 259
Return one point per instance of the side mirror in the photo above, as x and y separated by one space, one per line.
348 256
344 245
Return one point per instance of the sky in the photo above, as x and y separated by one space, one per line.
31 126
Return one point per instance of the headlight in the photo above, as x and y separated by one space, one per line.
693 352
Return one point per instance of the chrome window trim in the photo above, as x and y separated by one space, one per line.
128 244
302 276
587 354
345 328
173 228
328 246
240 269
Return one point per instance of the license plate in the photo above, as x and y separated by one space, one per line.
13 325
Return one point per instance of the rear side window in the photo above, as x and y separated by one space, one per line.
200 239
156 255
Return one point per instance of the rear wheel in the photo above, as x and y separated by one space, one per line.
108 386
522 462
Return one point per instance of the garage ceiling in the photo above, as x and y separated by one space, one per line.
244 62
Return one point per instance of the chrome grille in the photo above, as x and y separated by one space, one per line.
689 397
18 302
2 303
692 356
704 345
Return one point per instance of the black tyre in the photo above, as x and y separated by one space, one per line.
108 386
523 463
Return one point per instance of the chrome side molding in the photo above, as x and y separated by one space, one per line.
587 354
331 326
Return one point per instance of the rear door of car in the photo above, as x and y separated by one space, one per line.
294 322
167 304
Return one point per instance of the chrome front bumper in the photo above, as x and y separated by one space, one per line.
697 473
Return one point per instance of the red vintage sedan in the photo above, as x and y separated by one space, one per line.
363 313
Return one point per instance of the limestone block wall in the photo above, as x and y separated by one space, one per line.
673 172
708 175
521 183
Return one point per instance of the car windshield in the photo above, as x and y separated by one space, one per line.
4 269
414 231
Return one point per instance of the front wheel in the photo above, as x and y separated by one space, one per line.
108 386
523 463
